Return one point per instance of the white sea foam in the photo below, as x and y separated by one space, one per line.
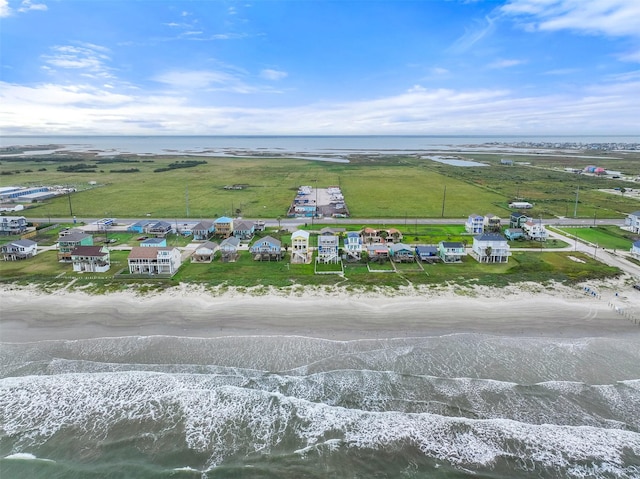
25 456
223 420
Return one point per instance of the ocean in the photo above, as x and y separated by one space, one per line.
304 145
451 406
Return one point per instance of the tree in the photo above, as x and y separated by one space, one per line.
487 252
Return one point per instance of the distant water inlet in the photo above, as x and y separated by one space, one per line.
453 161
457 406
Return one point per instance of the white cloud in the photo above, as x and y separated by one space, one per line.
50 108
5 11
608 17
25 6
473 35
269 74
185 80
89 58
28 6
506 63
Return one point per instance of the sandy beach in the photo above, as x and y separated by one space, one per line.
28 314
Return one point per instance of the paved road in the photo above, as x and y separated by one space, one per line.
285 222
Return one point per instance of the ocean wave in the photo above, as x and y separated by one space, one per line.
222 421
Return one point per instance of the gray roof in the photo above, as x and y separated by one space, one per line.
490 237
231 241
73 237
203 225
24 242
635 213
452 244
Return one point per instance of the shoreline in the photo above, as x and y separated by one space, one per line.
525 310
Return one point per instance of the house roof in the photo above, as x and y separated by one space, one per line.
328 230
268 239
24 243
514 230
396 247
636 244
203 225
212 245
231 241
154 241
140 252
423 249
517 214
73 237
490 237
635 213
143 223
89 251
161 224
353 234
475 216
223 219
243 225
451 244
300 233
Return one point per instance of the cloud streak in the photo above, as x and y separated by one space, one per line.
51 108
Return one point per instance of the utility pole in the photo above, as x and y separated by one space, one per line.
70 209
444 197
575 209
187 199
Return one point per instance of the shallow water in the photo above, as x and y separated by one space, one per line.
455 406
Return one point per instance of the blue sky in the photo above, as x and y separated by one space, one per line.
320 67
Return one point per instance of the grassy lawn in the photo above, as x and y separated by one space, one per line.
244 273
610 237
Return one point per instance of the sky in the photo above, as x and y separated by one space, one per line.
316 67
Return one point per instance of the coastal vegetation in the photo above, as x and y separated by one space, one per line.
375 186
540 267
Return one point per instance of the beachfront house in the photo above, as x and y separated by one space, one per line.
393 235
203 230
535 230
401 253
352 246
90 259
159 229
19 249
517 219
451 251
474 224
141 226
492 223
427 253
154 243
229 249
632 222
243 229
377 251
69 242
12 225
490 248
514 234
370 236
223 227
299 246
266 249
205 252
328 247
635 249
154 261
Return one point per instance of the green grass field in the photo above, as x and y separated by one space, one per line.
396 187
610 237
